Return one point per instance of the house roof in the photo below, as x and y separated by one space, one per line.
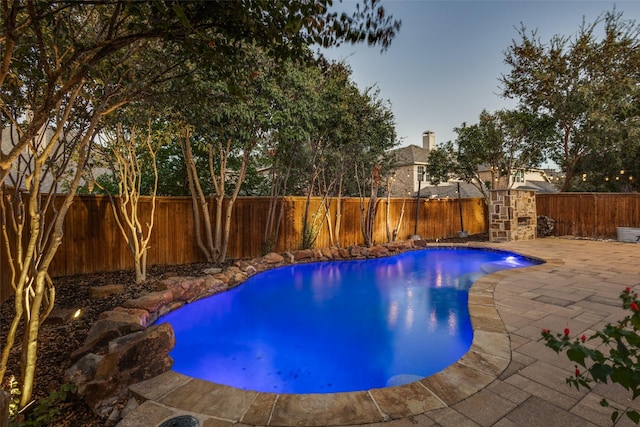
450 190
540 186
410 155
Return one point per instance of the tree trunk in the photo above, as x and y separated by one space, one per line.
338 212
396 230
217 238
126 210
199 201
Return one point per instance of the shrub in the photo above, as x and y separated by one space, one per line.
43 412
621 365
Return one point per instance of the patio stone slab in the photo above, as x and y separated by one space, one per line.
325 409
481 299
485 407
405 401
509 392
554 300
457 382
418 420
488 324
147 414
214 422
541 391
487 363
211 399
539 412
494 343
260 410
589 407
157 387
449 417
483 311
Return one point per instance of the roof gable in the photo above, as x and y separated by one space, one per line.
410 155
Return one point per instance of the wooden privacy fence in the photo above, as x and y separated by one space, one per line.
591 215
92 241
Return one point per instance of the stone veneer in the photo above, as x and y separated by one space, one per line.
512 215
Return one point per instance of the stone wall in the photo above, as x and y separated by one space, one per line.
512 215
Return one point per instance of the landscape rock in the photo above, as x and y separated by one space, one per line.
60 316
236 278
141 314
273 258
344 253
249 270
83 371
303 254
327 253
213 286
378 251
130 359
131 406
150 302
100 292
358 252
110 325
183 288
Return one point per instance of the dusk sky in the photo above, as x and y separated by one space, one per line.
442 69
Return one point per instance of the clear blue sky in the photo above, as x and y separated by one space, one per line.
442 69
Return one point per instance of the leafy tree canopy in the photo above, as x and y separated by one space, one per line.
587 85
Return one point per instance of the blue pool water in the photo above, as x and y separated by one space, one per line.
336 326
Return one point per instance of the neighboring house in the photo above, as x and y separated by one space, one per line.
410 176
23 166
449 189
532 179
411 161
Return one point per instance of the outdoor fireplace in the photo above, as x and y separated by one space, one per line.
512 215
523 220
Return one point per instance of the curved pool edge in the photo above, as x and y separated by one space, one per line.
172 393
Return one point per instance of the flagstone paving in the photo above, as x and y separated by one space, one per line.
508 378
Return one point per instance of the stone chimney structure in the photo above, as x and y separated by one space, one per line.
428 140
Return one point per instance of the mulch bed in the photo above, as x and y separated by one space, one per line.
56 342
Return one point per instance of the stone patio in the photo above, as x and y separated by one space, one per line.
508 378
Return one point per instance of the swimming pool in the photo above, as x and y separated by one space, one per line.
337 326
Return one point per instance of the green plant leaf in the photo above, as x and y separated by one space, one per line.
576 355
614 416
635 321
600 372
633 416
621 376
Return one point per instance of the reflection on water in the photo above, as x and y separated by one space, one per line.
336 326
